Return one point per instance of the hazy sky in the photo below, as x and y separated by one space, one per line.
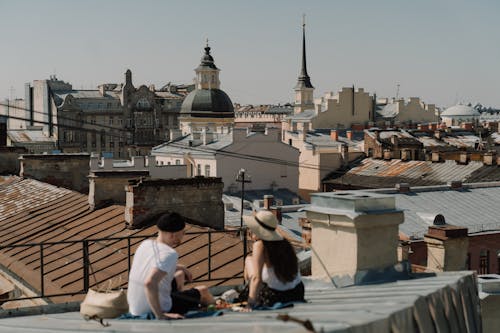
444 51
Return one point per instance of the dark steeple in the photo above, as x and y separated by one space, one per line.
207 60
304 80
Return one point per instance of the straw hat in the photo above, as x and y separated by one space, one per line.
263 224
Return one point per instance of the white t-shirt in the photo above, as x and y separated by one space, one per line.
151 254
270 278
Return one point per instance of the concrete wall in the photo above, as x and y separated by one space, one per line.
65 170
339 111
9 160
416 112
198 199
276 164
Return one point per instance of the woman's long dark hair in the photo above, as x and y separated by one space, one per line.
282 259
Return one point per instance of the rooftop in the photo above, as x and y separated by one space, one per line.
417 304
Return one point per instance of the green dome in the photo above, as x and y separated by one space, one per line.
208 103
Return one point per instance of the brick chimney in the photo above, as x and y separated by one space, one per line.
199 199
348 135
334 135
463 157
353 233
447 246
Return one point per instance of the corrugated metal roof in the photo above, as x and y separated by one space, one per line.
403 306
34 212
29 136
376 173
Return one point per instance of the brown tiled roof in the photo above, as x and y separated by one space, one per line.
34 212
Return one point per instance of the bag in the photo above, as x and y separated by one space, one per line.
104 304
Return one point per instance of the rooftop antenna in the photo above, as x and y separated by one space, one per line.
397 91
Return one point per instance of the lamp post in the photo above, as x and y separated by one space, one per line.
241 178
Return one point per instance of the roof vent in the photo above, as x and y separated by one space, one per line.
439 220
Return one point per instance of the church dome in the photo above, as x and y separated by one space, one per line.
460 110
208 103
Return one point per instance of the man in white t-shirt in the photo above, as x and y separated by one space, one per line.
152 285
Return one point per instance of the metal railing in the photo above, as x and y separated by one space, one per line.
107 244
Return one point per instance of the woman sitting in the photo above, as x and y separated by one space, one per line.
271 271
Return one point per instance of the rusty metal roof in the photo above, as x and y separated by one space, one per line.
35 212
376 173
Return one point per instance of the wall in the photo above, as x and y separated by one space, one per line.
65 170
262 170
198 199
416 112
9 160
337 111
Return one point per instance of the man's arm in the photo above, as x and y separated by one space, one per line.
187 273
152 284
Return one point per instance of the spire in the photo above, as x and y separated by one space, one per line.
207 59
304 81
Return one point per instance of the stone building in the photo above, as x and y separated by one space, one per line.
400 112
117 120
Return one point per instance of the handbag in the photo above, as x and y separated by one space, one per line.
104 304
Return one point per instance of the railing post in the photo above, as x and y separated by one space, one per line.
42 273
209 255
86 264
245 240
129 261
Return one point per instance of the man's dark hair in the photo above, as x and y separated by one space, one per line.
171 222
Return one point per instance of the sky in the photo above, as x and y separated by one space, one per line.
443 51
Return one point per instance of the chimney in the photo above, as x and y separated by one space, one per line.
306 229
455 184
387 154
438 134
403 187
404 250
147 199
268 201
405 154
435 157
334 135
395 140
489 158
463 158
447 246
353 234
348 135
277 212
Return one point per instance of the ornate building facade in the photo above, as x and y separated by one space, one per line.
116 120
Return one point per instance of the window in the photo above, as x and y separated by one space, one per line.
177 162
484 262
207 170
111 145
110 121
143 103
198 170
